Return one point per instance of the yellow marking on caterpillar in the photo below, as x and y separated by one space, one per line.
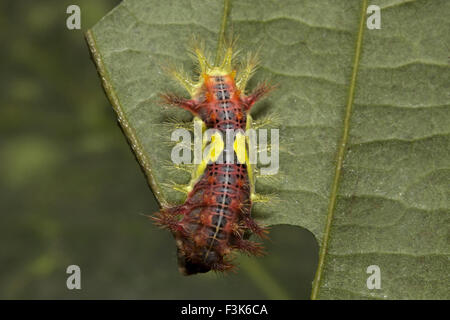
216 148
240 149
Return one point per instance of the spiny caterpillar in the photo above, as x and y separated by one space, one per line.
215 217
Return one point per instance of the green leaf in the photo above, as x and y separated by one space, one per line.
365 134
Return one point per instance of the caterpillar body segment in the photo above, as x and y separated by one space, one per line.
212 221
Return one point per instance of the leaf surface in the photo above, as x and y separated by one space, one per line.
364 139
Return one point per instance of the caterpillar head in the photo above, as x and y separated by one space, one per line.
223 66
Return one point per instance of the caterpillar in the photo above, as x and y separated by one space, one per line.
216 215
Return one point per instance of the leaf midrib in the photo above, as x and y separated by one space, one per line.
340 159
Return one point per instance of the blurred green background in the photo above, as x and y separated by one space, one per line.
71 191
